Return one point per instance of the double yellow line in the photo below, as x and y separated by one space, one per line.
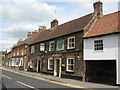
65 84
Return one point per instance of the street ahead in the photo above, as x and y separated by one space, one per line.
16 81
13 80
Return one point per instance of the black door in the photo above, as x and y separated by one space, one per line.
57 66
38 66
102 71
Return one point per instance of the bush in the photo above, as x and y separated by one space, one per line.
21 68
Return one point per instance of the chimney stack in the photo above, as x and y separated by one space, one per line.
41 28
29 34
54 23
20 40
36 32
98 8
33 33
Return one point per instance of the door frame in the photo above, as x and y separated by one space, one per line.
39 65
55 69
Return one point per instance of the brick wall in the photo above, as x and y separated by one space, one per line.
78 51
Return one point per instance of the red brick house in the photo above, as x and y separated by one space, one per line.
19 52
59 50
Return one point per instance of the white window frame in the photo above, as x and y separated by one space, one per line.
70 64
21 62
50 45
51 64
18 51
16 61
68 47
22 50
32 49
13 62
98 45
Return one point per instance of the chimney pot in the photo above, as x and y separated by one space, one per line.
33 33
29 34
41 28
54 23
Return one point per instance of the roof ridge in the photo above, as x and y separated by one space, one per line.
111 13
75 19
69 27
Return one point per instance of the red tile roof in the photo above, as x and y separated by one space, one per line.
64 29
107 24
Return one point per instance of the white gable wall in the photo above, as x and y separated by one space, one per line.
109 46
118 61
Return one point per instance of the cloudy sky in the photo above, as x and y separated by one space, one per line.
18 17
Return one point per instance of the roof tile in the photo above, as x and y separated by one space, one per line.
105 25
64 29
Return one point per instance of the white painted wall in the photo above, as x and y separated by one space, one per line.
13 62
118 61
111 51
109 48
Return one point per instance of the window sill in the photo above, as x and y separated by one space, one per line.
98 51
69 71
52 51
50 69
32 53
70 48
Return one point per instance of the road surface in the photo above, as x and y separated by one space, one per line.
16 81
13 80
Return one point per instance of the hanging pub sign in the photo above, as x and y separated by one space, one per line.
42 47
60 45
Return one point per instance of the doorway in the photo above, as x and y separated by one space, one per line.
102 71
57 67
39 66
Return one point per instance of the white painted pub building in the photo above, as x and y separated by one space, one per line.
102 50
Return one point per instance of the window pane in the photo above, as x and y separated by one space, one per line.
98 45
51 62
71 67
72 39
72 44
68 61
51 66
72 61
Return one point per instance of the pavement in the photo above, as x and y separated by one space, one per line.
63 81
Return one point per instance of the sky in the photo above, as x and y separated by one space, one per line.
18 17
